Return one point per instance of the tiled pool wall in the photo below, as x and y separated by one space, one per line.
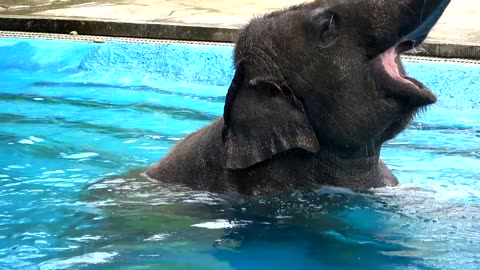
456 83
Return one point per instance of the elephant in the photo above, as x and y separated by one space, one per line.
318 88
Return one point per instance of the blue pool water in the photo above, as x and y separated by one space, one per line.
79 122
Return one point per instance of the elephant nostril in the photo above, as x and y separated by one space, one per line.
406 45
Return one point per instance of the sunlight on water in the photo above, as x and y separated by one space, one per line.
77 131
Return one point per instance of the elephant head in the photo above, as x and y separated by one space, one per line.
325 75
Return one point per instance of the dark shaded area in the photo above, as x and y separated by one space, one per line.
136 88
117 29
174 112
120 133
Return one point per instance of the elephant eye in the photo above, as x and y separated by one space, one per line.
323 27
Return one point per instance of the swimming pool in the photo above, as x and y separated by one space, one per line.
73 114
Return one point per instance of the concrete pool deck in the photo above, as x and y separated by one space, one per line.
457 35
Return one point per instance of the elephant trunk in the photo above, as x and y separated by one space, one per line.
402 21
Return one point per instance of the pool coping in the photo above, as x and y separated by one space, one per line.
184 32
102 39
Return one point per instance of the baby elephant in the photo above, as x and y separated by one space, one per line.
318 89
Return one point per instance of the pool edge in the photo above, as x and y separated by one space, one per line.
184 32
113 28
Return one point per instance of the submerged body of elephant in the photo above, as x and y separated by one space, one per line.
318 89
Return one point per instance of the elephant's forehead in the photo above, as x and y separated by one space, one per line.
271 34
368 9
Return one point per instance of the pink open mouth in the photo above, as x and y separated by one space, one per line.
392 80
390 60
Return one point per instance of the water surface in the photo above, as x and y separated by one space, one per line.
79 122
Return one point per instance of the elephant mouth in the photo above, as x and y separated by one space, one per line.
388 71
391 79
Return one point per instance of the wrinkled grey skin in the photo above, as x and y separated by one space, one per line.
311 102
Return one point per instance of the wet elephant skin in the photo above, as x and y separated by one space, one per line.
318 89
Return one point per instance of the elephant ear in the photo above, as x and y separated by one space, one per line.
261 119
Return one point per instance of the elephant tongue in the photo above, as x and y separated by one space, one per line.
409 89
389 62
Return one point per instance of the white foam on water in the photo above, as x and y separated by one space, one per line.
154 137
85 239
204 198
398 143
16 167
25 141
465 120
158 237
447 192
130 141
79 156
283 217
78 261
436 190
35 139
221 224
334 190
152 147
37 234
64 185
54 172
12 184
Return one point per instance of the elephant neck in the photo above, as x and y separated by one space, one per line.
355 169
